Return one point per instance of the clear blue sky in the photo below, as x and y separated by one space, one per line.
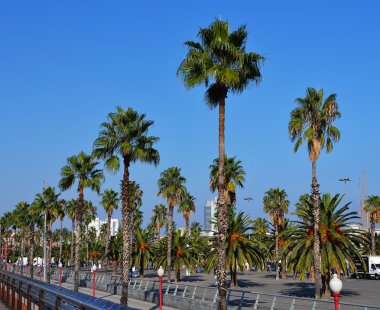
65 65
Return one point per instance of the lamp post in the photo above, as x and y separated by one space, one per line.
160 273
336 286
60 274
93 270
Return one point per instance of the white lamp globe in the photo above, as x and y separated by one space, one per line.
93 268
335 284
160 272
60 265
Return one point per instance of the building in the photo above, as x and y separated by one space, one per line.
97 224
209 215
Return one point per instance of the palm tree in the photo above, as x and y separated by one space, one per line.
221 63
71 209
109 201
180 253
195 230
142 247
187 208
89 215
171 187
20 215
47 203
372 206
234 176
126 135
276 204
115 251
32 219
61 215
96 251
340 244
80 168
136 202
312 122
239 247
159 218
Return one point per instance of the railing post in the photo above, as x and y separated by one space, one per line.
20 295
195 289
58 303
29 298
241 300
41 300
13 294
216 296
175 291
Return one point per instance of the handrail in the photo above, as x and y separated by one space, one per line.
35 292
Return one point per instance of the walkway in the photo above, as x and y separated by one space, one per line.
133 303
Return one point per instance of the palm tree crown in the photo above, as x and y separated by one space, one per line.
372 206
126 134
220 62
187 207
312 121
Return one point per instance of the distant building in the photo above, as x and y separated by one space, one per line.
97 224
209 214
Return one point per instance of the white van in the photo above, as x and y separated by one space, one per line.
371 269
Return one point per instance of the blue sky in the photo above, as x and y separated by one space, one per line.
65 65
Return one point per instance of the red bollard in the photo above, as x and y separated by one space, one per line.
40 273
60 277
336 300
93 270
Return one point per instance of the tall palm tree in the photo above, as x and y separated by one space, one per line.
89 215
20 215
136 202
142 247
110 201
171 187
126 135
47 203
33 219
372 206
312 122
221 63
340 244
187 208
234 176
276 204
82 169
61 213
159 218
71 209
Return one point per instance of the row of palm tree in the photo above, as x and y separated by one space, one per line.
219 61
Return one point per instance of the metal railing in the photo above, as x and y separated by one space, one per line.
239 299
18 291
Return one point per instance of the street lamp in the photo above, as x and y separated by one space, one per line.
160 273
93 270
336 287
60 274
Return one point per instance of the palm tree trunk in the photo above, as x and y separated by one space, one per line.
22 254
60 243
78 238
276 251
114 267
177 274
187 225
31 251
126 212
48 250
325 286
234 276
72 243
316 215
283 267
142 266
373 243
221 216
107 239
169 236
159 231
